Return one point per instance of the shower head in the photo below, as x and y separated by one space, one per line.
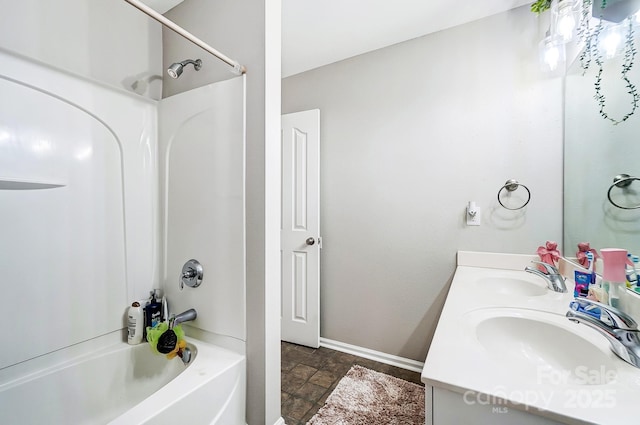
175 69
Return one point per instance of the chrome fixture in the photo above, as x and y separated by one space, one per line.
619 328
186 356
185 316
554 279
511 186
175 70
236 68
192 274
622 181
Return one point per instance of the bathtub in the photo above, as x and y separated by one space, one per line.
127 385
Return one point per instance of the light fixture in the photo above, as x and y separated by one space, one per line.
564 15
601 39
552 53
611 41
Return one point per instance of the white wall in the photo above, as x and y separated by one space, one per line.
107 40
410 134
73 257
201 151
80 258
249 32
83 37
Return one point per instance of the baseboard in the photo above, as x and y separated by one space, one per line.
378 356
280 421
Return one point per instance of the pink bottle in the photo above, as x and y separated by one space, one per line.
613 276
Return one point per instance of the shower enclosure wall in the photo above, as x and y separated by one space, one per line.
96 208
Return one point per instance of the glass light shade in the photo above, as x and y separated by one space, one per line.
564 18
552 53
611 41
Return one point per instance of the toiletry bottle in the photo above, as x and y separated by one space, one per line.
634 280
614 276
153 310
135 323
628 271
584 280
165 308
635 286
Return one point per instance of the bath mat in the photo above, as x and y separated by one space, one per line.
366 397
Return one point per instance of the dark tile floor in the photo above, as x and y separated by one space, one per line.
309 375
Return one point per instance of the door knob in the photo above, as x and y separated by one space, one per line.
310 241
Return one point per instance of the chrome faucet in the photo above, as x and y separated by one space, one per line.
554 279
619 328
185 354
185 316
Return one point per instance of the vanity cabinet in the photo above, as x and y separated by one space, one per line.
504 352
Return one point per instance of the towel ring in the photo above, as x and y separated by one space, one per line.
512 185
622 181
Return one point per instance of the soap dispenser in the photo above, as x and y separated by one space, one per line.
614 276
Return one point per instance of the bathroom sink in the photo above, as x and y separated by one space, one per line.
545 346
512 286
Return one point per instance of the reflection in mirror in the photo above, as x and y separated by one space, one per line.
599 201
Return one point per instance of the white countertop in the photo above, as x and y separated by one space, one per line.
600 389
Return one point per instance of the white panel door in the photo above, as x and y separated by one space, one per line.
300 234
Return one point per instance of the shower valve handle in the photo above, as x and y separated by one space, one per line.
191 274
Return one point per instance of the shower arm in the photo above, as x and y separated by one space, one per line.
236 67
197 64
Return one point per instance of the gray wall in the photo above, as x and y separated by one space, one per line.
409 135
218 24
249 32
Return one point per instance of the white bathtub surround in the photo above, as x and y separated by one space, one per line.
73 257
81 161
202 168
123 384
478 370
80 37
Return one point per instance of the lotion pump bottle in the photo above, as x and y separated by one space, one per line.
614 276
135 323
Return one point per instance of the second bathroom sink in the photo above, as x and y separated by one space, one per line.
544 346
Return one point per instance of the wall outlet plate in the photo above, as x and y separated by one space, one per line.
474 216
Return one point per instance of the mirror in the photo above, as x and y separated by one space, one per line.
595 152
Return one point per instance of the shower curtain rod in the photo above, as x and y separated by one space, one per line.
236 67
